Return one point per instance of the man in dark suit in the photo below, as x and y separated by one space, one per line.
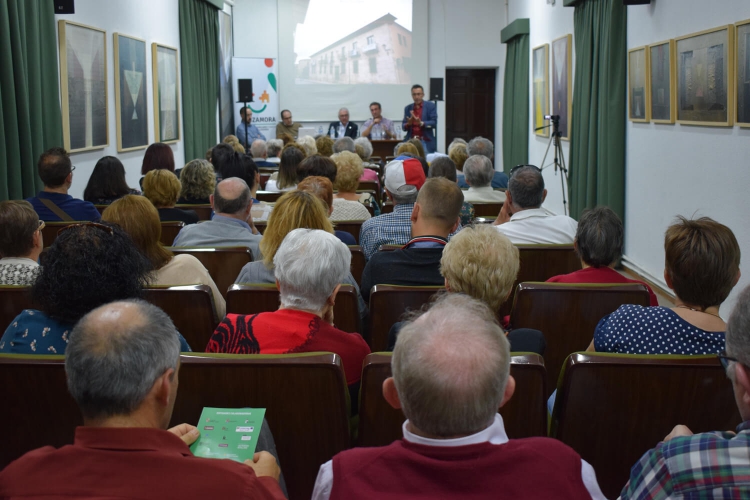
420 119
343 127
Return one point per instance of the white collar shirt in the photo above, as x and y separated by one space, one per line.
538 226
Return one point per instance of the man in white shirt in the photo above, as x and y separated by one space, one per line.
478 172
523 219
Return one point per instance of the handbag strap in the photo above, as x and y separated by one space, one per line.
56 210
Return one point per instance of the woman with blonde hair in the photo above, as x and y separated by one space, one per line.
162 188
459 155
138 217
198 181
324 145
308 144
235 143
407 147
347 203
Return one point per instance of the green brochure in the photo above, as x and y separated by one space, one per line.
228 433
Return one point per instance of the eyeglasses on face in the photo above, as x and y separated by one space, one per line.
518 167
101 227
724 359
40 225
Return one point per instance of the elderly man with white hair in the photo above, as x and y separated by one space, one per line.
483 147
309 267
259 150
478 173
451 373
343 127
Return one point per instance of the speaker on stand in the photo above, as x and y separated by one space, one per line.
245 94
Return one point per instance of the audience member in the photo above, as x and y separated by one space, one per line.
433 218
324 145
231 224
451 374
247 132
158 156
287 125
219 156
122 366
286 178
197 182
259 151
21 243
443 166
522 218
162 188
308 144
483 147
407 147
107 182
347 202
228 163
138 217
478 174
235 143
274 148
599 241
403 180
317 165
419 146
344 144
251 175
343 127
363 148
709 464
322 188
53 203
308 267
459 156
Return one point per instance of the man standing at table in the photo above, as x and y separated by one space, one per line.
378 127
420 119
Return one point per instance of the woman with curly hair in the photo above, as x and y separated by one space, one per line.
162 188
324 145
87 266
107 182
347 203
197 180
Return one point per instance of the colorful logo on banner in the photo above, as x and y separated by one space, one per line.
271 78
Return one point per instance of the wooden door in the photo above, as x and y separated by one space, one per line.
469 104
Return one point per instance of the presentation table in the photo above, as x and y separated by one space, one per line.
384 147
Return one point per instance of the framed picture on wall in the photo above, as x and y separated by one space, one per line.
83 86
130 93
562 82
742 69
638 98
166 93
540 90
661 76
705 77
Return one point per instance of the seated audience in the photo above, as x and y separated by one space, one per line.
419 146
274 147
709 464
522 218
229 164
88 265
308 268
458 154
107 182
407 148
286 178
599 240
251 175
220 154
323 189
483 147
702 265
344 144
53 203
308 144
162 188
21 243
363 148
403 180
317 165
233 141
231 224
347 202
443 166
324 144
122 366
433 218
197 182
158 156
478 172
138 217
451 374
259 151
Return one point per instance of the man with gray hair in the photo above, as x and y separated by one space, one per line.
273 149
451 374
478 173
259 151
122 364
483 147
709 464
344 144
522 218
343 127
231 225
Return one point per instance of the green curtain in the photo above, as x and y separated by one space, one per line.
199 43
597 143
30 115
516 103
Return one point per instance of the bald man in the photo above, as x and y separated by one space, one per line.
231 225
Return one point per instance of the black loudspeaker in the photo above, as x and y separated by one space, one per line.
636 2
65 7
436 89
245 90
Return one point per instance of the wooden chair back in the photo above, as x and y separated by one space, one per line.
487 209
305 397
169 231
352 227
50 230
567 314
101 208
388 303
263 180
525 415
264 297
386 207
268 196
204 211
368 186
358 263
261 225
13 300
613 408
223 263
191 309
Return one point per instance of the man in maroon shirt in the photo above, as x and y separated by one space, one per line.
121 364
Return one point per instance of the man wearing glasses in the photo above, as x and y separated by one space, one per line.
343 127
54 203
710 464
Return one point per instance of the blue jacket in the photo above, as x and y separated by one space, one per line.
429 117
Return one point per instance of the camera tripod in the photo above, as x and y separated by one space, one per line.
559 158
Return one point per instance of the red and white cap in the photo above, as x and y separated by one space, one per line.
401 173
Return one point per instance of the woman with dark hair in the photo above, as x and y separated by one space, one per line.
107 182
158 156
286 178
317 165
87 266
21 243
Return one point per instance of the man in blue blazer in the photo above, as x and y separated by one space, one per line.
420 120
343 127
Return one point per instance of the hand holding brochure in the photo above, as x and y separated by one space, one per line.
228 433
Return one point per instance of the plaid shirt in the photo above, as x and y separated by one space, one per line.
707 465
387 229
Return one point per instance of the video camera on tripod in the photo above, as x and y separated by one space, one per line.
559 158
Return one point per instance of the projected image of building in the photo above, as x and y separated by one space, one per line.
377 53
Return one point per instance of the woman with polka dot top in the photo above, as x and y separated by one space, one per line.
702 265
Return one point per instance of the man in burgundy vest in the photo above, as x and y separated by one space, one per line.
451 373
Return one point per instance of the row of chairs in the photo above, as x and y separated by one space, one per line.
602 410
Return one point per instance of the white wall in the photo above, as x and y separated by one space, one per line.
679 169
153 21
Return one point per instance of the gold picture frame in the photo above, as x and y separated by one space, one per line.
705 93
83 86
742 73
639 101
562 83
166 77
131 95
662 82
540 88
